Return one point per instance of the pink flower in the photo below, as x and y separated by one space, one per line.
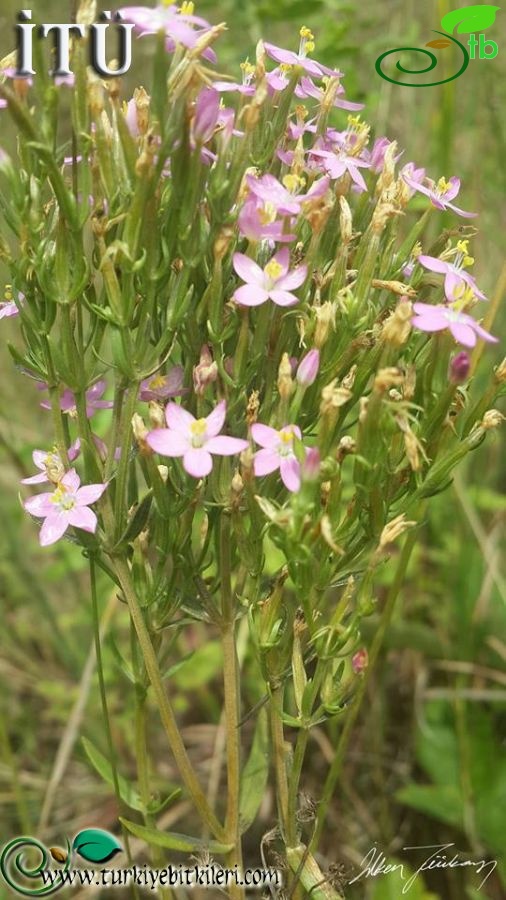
257 223
68 401
308 88
207 109
194 439
277 453
9 308
67 505
456 278
440 194
462 326
51 464
283 197
308 368
179 27
360 661
338 163
163 387
290 58
274 282
459 368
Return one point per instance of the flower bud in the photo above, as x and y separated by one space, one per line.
500 372
360 661
142 101
308 368
397 328
205 373
311 465
492 419
140 433
164 473
459 368
285 381
347 446
325 322
156 415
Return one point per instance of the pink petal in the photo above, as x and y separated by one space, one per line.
90 493
41 478
283 298
265 435
41 505
250 295
216 419
426 324
463 333
53 528
226 446
265 462
290 473
433 264
485 334
39 457
178 418
71 481
82 517
248 269
461 212
168 442
198 462
294 279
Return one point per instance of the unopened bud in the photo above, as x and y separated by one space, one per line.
325 322
397 327
360 661
237 483
311 465
252 408
142 101
500 372
492 419
285 381
459 368
140 433
308 368
205 373
345 220
156 415
347 445
388 378
164 473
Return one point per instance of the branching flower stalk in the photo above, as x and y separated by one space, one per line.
256 362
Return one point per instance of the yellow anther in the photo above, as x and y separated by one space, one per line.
273 270
463 247
286 68
468 261
355 122
293 183
187 8
286 437
198 427
306 33
443 185
310 46
157 382
247 67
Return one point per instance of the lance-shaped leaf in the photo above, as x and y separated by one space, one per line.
95 845
255 773
472 18
170 841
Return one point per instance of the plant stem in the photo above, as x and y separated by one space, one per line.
165 708
232 702
278 749
386 617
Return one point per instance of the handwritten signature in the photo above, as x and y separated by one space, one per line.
375 863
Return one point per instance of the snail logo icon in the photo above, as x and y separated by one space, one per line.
468 21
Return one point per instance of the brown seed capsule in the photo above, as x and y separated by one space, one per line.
59 855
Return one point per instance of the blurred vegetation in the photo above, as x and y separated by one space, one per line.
427 763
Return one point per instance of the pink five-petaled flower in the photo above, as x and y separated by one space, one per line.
456 278
67 505
440 194
284 197
194 439
68 401
277 453
462 326
180 27
274 282
163 387
51 465
308 88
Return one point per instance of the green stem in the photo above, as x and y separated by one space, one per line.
164 705
105 706
278 750
121 479
386 617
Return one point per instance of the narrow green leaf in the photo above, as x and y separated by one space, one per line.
171 841
255 774
102 765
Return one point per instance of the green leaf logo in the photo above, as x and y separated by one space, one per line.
95 845
470 19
